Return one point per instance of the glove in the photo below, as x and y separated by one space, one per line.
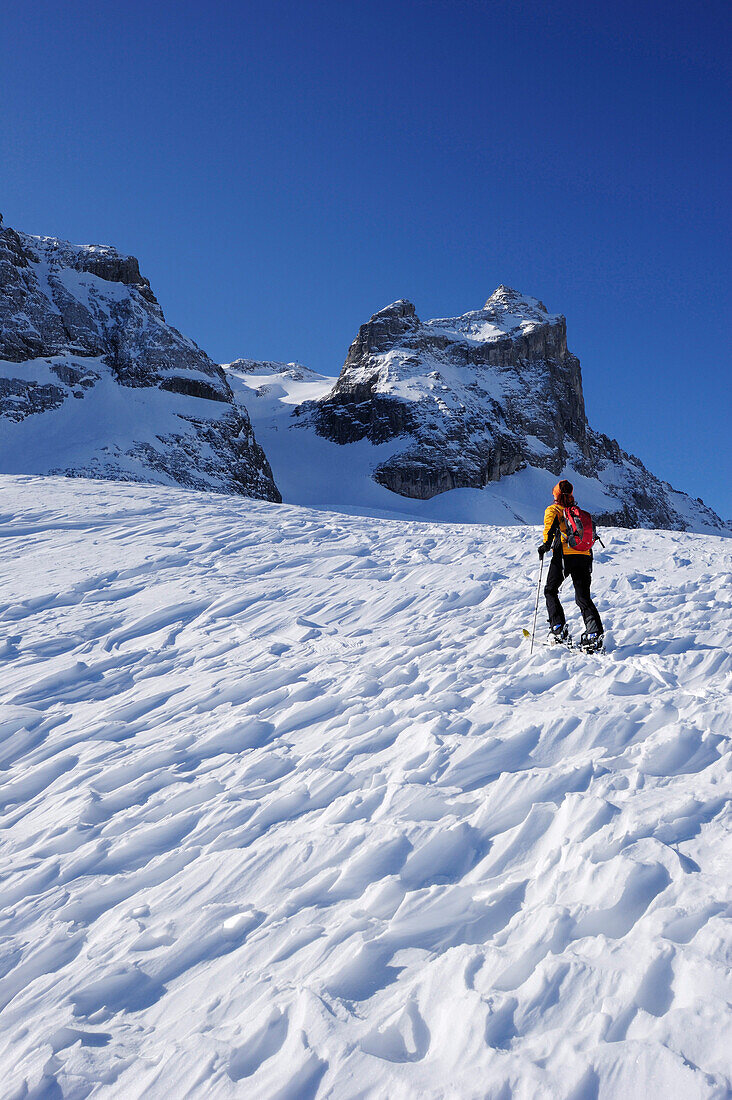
542 550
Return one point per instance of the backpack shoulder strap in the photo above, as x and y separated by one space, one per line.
555 532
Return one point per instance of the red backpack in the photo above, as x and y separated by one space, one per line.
580 535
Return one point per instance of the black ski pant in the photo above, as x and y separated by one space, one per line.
579 568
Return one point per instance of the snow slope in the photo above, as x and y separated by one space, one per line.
288 809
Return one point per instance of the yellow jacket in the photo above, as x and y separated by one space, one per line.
555 511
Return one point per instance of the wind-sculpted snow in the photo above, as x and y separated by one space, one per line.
288 809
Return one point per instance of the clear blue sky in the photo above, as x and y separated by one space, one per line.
283 170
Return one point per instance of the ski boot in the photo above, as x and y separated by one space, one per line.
592 642
559 635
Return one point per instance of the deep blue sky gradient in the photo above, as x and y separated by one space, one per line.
283 170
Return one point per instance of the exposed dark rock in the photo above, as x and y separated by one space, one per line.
193 387
75 376
19 398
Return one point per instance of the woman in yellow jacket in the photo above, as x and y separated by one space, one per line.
567 562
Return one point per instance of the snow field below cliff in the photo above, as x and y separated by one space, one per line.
289 810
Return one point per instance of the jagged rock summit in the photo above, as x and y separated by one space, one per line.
467 401
94 382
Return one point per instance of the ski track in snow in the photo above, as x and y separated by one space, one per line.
289 811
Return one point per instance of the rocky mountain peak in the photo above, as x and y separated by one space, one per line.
401 308
80 332
104 261
470 400
506 298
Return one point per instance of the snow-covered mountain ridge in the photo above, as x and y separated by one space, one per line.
288 809
484 410
94 382
469 401
311 469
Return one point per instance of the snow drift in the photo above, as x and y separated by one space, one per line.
288 810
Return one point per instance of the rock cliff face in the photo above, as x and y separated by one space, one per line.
469 400
93 382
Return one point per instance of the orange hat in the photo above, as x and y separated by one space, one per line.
563 489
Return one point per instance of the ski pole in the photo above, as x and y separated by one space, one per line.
536 607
